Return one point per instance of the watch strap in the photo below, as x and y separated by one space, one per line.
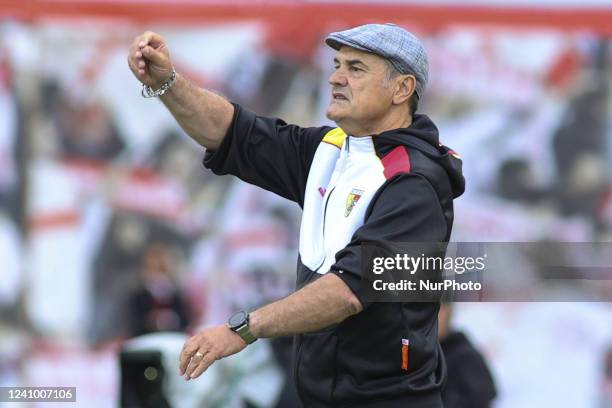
245 333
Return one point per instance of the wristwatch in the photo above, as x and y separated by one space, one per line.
239 323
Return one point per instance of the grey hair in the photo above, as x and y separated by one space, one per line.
392 73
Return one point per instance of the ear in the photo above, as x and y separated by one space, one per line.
405 87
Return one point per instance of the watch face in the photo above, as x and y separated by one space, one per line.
237 319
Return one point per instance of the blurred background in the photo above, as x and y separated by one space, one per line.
110 228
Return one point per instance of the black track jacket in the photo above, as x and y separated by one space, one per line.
397 186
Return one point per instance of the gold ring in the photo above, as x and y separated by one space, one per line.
198 354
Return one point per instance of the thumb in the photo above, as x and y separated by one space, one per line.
152 55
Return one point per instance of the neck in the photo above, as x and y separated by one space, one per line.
370 129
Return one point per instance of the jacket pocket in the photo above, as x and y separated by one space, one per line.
315 366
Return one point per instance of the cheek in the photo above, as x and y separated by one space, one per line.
372 99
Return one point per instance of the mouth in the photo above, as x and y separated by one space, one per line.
337 96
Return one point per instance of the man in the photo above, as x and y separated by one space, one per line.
380 176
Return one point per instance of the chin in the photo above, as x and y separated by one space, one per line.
333 114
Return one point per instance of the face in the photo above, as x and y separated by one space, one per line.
157 259
361 95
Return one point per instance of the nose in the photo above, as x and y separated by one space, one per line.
337 78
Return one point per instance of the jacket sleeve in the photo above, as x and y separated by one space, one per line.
267 152
406 209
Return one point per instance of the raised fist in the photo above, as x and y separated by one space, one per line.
149 59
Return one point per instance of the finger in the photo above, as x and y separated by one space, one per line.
131 59
188 350
139 72
134 66
131 64
144 39
150 54
203 366
150 38
185 358
194 363
134 59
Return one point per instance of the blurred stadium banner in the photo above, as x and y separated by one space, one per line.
590 15
522 88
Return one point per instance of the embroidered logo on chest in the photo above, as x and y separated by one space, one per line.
351 200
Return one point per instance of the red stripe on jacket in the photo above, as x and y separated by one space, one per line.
396 162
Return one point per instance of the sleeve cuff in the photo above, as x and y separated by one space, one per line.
354 283
215 159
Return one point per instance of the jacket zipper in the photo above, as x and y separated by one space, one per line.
324 217
298 357
325 210
323 232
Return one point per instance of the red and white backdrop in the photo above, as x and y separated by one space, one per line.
88 168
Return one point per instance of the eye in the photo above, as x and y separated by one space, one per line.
354 69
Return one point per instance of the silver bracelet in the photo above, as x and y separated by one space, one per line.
148 92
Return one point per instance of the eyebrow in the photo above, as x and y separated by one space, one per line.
352 62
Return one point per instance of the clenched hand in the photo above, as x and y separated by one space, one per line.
149 59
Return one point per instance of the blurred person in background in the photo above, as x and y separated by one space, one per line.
115 276
345 346
137 270
470 383
157 303
87 129
11 144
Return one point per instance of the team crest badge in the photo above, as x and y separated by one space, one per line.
351 200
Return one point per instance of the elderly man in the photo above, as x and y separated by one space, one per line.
380 176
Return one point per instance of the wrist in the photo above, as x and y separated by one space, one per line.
235 335
239 324
255 324
149 92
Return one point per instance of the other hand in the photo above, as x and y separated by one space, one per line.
206 347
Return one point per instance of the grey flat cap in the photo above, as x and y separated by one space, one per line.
404 50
